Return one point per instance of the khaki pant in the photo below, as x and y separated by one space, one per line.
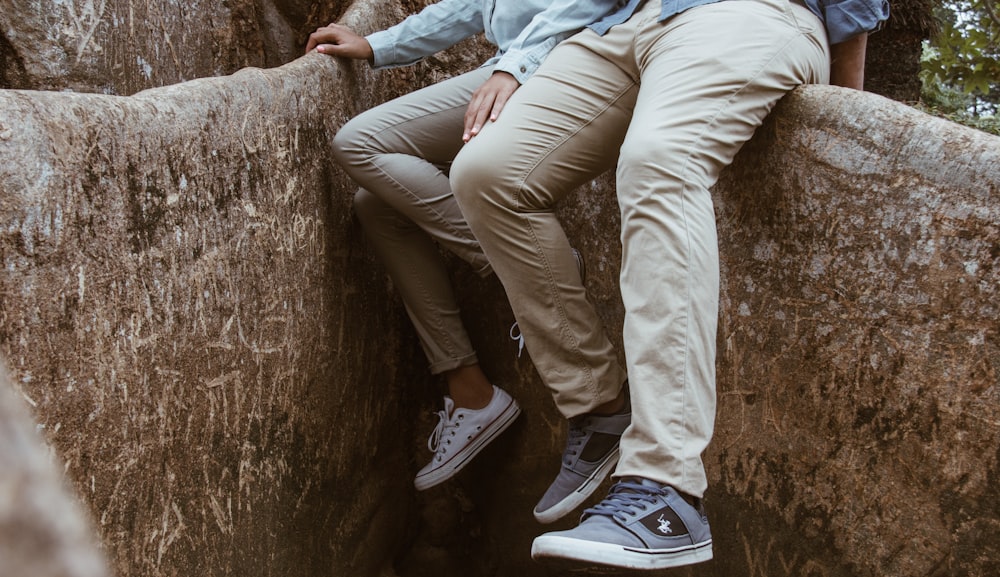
398 152
670 103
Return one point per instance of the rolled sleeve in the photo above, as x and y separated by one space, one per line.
849 18
436 27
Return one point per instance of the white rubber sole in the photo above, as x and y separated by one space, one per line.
555 547
451 467
581 494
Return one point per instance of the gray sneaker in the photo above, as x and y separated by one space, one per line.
591 453
639 525
461 434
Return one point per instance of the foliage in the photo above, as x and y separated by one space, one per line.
961 63
989 124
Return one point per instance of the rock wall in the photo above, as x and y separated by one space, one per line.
859 346
122 47
224 372
200 331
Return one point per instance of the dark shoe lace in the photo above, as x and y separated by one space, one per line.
626 499
575 439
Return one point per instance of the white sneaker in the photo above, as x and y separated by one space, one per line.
460 435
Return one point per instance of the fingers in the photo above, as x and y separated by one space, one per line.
314 40
498 105
477 113
320 36
328 37
488 102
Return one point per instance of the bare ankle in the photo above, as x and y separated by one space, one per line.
468 387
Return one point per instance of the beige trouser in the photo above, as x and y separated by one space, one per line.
672 102
398 152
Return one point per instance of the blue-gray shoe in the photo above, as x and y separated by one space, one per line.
639 525
591 453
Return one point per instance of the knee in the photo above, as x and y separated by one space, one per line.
349 143
666 160
467 172
647 148
367 207
475 176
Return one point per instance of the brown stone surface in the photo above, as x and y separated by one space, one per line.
124 46
188 305
213 353
859 345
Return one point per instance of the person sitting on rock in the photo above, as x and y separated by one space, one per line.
399 153
666 91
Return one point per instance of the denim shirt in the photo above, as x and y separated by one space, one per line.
843 19
524 31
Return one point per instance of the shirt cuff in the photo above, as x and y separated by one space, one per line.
847 19
518 64
383 45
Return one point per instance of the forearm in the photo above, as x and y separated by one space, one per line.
438 26
847 62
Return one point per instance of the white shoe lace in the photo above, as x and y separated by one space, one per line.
441 435
518 337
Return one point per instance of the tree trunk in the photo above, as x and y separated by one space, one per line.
892 66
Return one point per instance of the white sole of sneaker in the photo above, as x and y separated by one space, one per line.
462 458
576 498
555 547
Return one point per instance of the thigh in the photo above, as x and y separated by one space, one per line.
710 76
426 123
561 128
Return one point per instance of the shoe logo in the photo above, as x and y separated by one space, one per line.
664 522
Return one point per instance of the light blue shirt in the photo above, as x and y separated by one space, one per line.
524 31
847 18
843 19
